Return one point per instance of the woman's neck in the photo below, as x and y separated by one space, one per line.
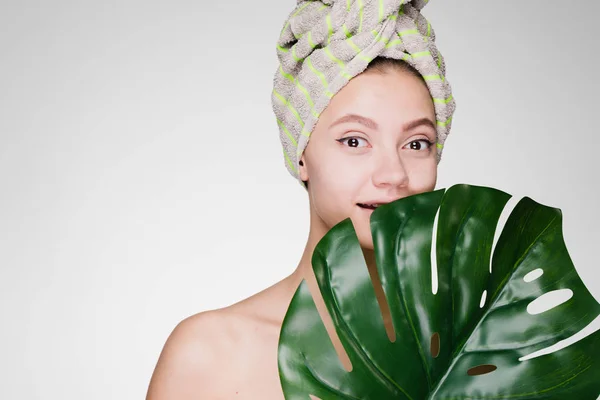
304 272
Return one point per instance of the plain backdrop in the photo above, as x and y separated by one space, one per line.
142 178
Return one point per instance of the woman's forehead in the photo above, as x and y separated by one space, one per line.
375 96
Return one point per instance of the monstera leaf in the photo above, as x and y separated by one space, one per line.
463 334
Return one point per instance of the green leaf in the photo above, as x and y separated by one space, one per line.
497 334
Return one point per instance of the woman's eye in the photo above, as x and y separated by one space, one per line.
353 141
419 144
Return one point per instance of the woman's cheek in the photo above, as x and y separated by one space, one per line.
423 177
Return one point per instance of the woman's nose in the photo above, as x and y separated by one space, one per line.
390 171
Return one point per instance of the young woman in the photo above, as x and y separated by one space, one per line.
376 139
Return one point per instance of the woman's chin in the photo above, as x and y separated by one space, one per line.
366 240
362 227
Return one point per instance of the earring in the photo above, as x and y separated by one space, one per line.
301 163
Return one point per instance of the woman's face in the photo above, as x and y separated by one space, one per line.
373 144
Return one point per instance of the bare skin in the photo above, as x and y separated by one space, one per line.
240 339
231 353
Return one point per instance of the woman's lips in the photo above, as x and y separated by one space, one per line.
368 206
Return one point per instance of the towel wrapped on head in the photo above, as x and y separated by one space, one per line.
326 43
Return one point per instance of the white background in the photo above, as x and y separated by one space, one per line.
142 178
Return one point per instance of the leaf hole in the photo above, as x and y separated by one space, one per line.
533 275
434 269
483 299
384 306
506 212
549 300
435 345
481 370
593 327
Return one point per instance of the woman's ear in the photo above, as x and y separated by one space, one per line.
302 169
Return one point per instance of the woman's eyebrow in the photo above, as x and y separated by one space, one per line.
369 123
418 122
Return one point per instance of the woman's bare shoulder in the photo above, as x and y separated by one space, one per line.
204 345
192 357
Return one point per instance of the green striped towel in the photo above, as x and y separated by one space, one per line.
324 44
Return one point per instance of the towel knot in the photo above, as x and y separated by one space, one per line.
345 17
